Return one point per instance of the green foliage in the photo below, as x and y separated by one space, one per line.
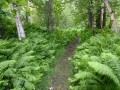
63 37
23 64
104 70
97 63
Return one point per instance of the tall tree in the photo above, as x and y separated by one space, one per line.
21 33
113 20
91 17
2 17
101 16
104 17
49 18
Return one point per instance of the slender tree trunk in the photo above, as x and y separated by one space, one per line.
26 17
20 29
104 17
21 33
111 15
50 23
110 24
94 32
91 18
1 32
26 13
99 18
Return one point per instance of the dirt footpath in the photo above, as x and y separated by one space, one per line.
63 69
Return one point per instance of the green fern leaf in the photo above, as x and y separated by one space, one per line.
112 61
5 64
85 75
17 88
10 72
17 81
29 85
104 70
30 77
1 82
29 68
89 82
24 60
89 87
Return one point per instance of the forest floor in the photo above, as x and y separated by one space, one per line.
63 69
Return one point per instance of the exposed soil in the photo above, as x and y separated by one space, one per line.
63 69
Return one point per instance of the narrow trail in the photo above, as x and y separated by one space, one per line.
63 69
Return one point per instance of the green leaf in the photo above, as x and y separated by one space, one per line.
104 70
14 11
10 72
30 77
9 1
5 64
85 75
29 85
5 6
44 1
23 3
29 68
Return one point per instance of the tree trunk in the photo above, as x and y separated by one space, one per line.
1 32
26 13
91 18
50 23
21 33
104 17
110 24
26 17
111 15
99 18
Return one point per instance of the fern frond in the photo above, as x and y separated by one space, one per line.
104 70
89 87
29 77
5 64
10 72
29 68
29 85
19 81
85 75
17 88
112 61
24 60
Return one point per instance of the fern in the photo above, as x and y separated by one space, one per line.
99 56
85 75
112 61
104 70
5 64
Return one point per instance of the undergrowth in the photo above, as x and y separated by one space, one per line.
97 63
24 64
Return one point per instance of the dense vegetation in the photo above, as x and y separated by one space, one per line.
33 31
23 63
96 63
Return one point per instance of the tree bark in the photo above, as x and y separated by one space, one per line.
26 13
91 18
111 16
26 17
104 17
50 23
21 33
1 32
99 18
